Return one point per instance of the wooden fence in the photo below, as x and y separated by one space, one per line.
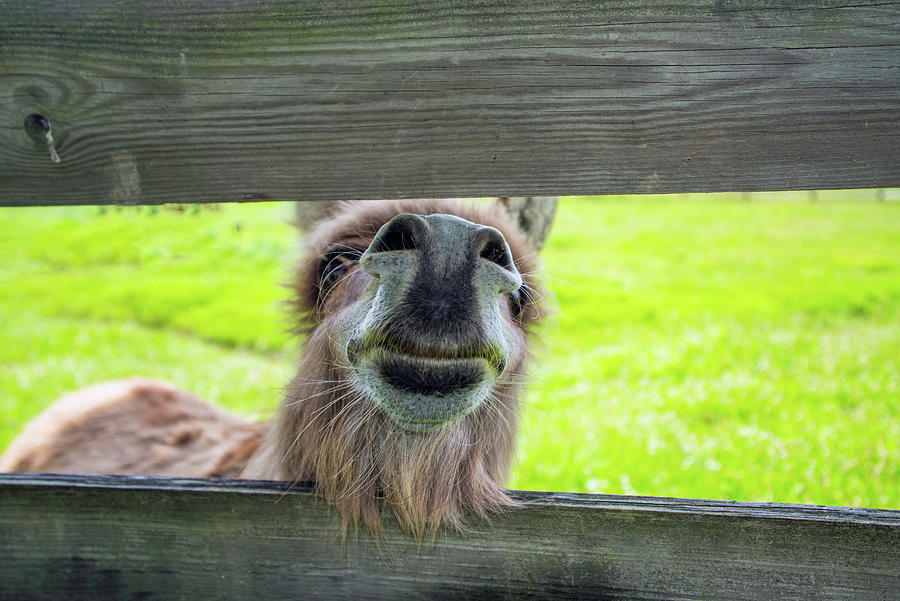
218 100
121 101
79 537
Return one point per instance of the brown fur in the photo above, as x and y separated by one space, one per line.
136 426
325 431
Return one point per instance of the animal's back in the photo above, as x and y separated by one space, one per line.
134 426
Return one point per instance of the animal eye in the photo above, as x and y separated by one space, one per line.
335 264
517 302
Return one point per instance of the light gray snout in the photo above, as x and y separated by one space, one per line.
449 250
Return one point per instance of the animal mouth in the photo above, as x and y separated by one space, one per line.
373 343
421 375
422 388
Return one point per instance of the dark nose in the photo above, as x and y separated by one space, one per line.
437 280
446 245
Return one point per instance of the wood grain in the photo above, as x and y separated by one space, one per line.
82 537
220 100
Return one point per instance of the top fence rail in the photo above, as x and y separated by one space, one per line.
121 101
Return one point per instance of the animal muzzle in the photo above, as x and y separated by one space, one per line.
434 340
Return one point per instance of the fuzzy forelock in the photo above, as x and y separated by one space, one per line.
330 433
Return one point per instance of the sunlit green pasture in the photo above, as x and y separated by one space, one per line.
701 346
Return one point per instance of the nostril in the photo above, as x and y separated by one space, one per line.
494 249
403 232
495 253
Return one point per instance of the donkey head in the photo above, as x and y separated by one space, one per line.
429 336
407 392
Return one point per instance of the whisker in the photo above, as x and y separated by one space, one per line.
329 391
313 419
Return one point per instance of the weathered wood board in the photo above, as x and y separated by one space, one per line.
81 537
297 99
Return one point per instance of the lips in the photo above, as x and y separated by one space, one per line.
427 376
403 359
422 388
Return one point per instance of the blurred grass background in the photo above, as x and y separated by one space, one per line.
714 346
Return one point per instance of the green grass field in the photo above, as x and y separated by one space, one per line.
702 346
